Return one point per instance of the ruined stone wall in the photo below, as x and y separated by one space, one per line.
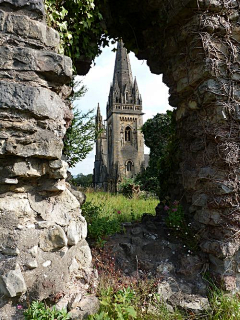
43 251
195 44
203 74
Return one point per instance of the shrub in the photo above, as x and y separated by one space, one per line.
127 187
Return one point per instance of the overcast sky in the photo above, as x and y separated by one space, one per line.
154 93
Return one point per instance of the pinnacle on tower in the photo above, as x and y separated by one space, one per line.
98 111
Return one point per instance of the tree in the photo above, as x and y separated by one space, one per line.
79 138
83 180
158 135
81 134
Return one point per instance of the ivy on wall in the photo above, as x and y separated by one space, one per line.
81 28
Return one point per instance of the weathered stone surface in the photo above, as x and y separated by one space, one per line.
86 307
12 283
50 65
55 208
76 231
39 102
36 210
195 303
83 254
58 169
22 26
34 6
81 197
53 239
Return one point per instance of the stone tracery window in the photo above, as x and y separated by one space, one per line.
128 134
129 165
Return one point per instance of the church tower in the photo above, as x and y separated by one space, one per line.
124 120
124 140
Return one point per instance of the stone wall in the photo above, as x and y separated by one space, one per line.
195 44
203 76
43 251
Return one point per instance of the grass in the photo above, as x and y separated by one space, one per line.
122 208
106 212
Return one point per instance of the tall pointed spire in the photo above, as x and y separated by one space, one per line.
98 111
122 71
98 119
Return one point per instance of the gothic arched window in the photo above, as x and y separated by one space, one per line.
129 166
128 134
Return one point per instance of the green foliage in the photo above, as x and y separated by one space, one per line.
175 215
126 187
80 25
79 138
38 311
116 305
224 306
159 134
105 213
99 225
83 180
78 90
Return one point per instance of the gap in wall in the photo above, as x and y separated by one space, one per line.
154 93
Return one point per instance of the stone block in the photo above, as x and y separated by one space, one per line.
52 66
199 200
18 204
53 238
82 254
55 209
221 266
38 102
209 217
58 169
220 249
76 231
35 6
23 26
28 168
195 303
12 283
42 144
87 306
165 268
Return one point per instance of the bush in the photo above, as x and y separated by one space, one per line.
128 187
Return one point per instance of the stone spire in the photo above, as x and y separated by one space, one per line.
123 89
98 118
122 72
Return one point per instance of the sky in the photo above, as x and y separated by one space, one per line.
154 93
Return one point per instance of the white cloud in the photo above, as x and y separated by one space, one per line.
154 93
